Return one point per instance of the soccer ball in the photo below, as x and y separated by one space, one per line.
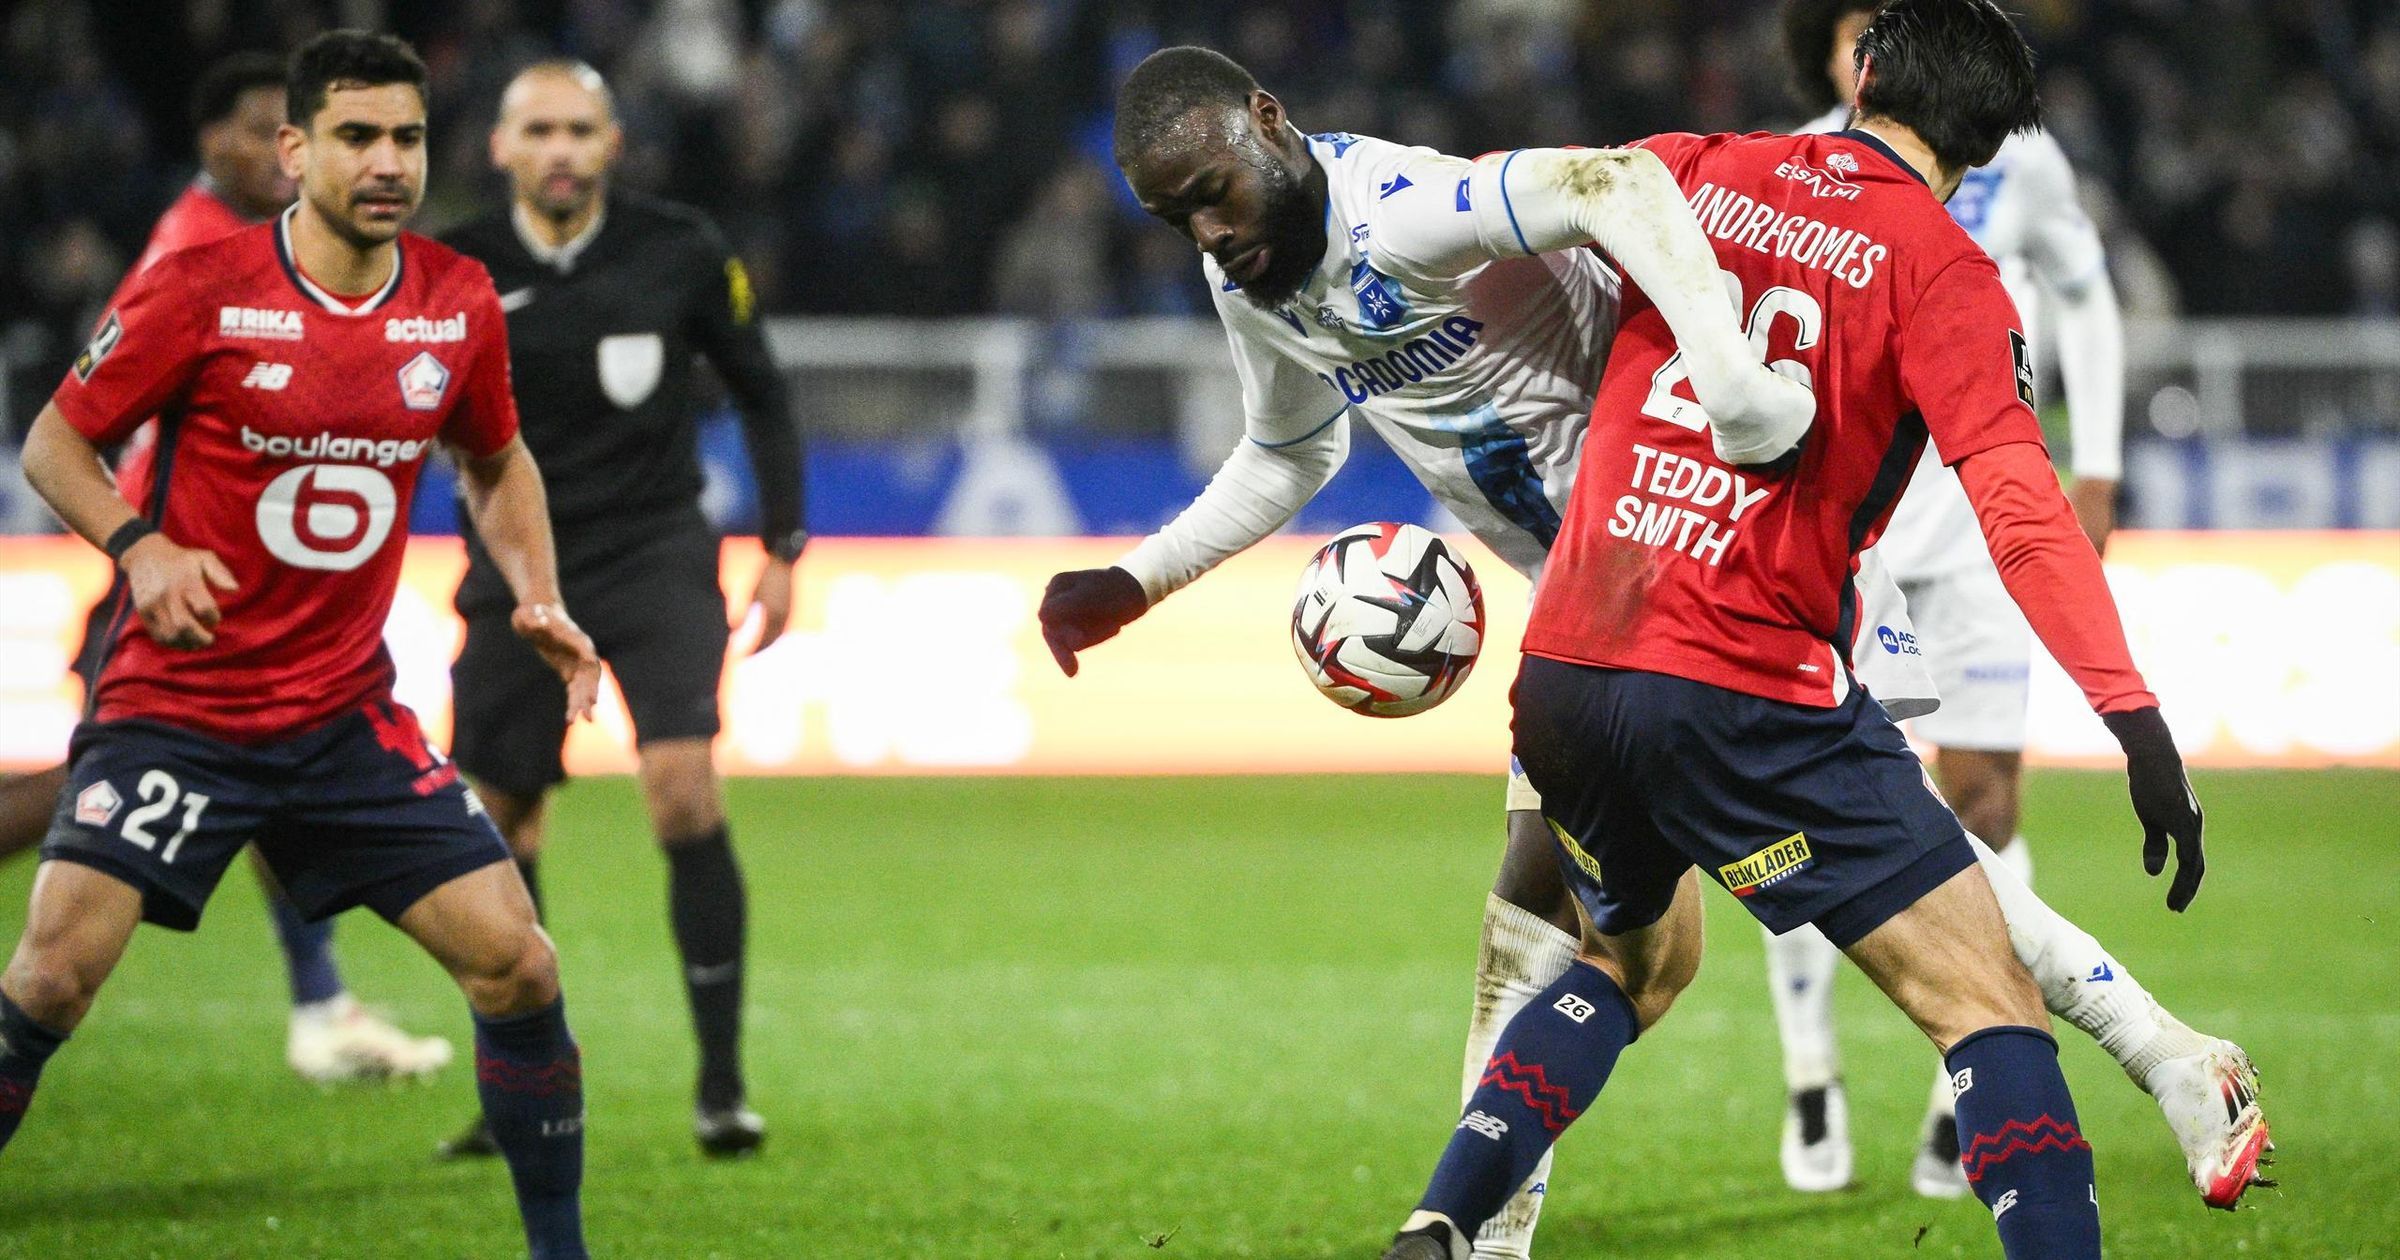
1388 620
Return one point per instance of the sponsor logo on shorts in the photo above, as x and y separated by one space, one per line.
96 804
1961 1081
111 332
1573 1007
1488 1125
1770 865
1897 642
247 321
1584 862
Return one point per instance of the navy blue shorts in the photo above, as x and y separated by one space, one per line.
1807 815
359 811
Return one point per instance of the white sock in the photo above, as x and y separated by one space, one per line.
1522 954
1800 966
2080 983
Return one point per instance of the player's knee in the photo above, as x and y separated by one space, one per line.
512 980
686 812
52 985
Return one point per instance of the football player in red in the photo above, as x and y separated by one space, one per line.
1687 697
238 109
302 371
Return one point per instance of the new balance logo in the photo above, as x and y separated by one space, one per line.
245 321
2101 974
1573 1007
1488 1125
268 376
1961 1081
2001 1205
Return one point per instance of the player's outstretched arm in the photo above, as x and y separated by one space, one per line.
2054 576
2071 266
1255 493
504 497
173 587
1534 201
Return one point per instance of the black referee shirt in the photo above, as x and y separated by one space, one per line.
601 343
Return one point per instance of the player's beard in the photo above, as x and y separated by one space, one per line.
1295 228
342 218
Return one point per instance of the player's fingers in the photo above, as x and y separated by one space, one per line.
1059 651
770 628
215 572
2154 847
2190 866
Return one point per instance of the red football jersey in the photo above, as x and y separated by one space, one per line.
1850 271
294 424
198 217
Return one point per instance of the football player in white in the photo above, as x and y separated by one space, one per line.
2022 208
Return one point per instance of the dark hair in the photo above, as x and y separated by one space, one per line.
347 59
1808 44
1954 71
1170 84
228 79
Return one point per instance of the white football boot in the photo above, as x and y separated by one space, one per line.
1816 1140
337 1041
2211 1101
1936 1172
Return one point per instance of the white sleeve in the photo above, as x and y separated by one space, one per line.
1536 201
1293 442
2072 268
1255 493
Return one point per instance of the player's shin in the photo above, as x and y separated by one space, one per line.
1521 955
25 1046
2080 983
2020 1146
710 910
307 952
529 1075
1549 1065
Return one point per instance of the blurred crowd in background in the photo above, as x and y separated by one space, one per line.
947 157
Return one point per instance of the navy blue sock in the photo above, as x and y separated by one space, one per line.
529 1074
307 951
2018 1139
24 1047
1547 1068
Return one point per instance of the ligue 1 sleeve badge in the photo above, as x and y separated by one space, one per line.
423 381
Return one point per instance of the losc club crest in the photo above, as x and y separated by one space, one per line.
423 381
96 804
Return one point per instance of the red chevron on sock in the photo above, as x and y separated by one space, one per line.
2019 1136
15 1096
540 1080
1532 1085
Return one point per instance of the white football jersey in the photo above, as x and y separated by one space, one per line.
1482 382
2022 209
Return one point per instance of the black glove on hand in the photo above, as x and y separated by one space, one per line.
1088 606
2162 799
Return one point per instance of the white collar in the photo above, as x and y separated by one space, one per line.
561 256
322 296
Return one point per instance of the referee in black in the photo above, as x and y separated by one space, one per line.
609 295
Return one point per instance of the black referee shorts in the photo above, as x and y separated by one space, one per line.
657 614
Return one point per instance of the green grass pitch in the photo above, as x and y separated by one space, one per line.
1214 1017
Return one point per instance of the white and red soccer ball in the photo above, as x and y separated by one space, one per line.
1388 620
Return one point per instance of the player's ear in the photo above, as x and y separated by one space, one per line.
1866 70
290 142
1268 113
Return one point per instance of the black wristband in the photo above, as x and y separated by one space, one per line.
127 535
788 547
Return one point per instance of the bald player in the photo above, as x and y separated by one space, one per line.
610 296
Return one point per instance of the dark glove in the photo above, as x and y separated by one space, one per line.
1086 607
2162 799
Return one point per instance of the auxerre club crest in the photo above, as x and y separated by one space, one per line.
423 381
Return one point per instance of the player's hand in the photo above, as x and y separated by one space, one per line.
772 598
174 588
568 650
1084 607
2095 502
2162 799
